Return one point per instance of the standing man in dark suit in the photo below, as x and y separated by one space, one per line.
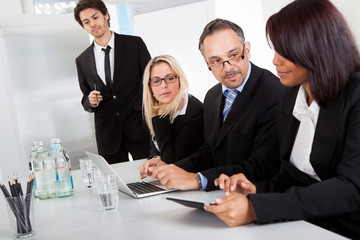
110 78
240 136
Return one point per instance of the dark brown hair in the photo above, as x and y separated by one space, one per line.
217 25
85 4
315 35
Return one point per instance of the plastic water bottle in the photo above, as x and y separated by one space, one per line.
69 165
64 186
52 148
44 173
32 157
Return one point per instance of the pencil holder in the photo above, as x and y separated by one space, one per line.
21 215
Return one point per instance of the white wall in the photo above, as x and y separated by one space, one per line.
250 17
176 31
350 9
40 88
13 159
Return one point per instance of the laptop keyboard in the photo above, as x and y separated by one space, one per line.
143 187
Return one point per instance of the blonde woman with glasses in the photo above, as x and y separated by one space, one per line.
174 118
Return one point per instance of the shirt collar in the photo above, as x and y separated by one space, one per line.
182 111
301 107
241 87
111 43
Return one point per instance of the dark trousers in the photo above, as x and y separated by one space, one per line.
138 150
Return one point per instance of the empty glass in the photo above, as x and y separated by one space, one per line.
89 171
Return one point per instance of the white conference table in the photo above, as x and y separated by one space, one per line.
80 217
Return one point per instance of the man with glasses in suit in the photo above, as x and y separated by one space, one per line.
239 117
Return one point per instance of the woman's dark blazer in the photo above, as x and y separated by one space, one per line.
334 202
182 137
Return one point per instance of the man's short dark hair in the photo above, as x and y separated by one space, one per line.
85 4
217 25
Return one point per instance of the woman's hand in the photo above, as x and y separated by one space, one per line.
234 210
237 182
147 168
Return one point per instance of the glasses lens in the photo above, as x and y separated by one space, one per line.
236 57
170 78
155 81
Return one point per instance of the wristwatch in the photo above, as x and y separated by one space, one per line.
198 179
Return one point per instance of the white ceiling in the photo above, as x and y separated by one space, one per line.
143 6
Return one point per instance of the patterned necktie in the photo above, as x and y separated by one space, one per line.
107 66
230 98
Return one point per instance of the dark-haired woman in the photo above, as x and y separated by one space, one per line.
319 127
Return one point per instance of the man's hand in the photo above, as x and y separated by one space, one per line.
147 168
234 210
174 177
95 98
237 182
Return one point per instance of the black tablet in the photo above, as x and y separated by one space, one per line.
199 204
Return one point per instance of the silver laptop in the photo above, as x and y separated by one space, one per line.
134 189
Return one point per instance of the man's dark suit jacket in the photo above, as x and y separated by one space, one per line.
183 136
120 112
247 139
333 203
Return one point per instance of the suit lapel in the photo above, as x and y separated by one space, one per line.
288 124
215 119
90 62
326 135
241 103
119 58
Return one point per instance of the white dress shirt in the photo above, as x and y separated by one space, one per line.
308 116
100 58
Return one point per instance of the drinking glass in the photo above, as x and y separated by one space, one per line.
107 188
89 171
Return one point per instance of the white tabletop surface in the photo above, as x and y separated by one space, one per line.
80 217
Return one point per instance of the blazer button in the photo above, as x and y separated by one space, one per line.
114 97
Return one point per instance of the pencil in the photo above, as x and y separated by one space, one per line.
19 188
12 190
4 190
29 184
19 207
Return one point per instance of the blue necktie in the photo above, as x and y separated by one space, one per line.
230 98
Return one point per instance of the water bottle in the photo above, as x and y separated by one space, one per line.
33 152
45 176
32 157
64 186
52 148
69 165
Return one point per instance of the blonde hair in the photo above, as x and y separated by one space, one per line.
150 104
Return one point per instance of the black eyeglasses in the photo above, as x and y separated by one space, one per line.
235 58
155 81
